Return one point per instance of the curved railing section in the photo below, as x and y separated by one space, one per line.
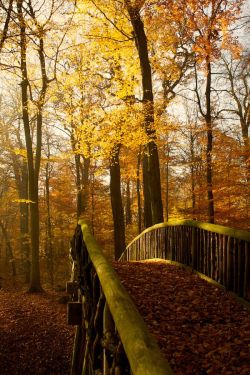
221 253
111 336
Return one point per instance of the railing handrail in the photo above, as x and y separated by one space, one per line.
215 228
141 348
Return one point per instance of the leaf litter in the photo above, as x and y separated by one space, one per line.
34 335
200 328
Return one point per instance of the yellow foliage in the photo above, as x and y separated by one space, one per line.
22 201
21 151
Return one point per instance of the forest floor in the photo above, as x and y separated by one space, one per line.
200 328
34 335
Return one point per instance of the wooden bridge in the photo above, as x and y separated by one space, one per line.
111 336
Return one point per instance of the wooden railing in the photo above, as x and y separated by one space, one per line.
221 253
111 337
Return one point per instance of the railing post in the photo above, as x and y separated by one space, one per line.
230 251
241 268
77 351
194 249
247 272
108 328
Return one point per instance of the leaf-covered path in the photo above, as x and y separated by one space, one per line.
34 336
199 328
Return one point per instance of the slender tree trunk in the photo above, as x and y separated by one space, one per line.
246 141
21 180
4 32
116 202
192 174
93 198
79 202
33 166
167 191
9 251
208 119
82 179
48 245
148 220
151 168
24 222
85 182
138 191
167 183
128 204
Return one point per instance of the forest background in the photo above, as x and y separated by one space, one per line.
125 112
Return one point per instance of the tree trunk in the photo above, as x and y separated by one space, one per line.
48 244
246 141
33 168
82 178
167 182
151 168
92 179
138 191
148 220
4 32
24 222
167 190
79 202
85 182
208 119
9 251
21 180
192 174
116 202
128 204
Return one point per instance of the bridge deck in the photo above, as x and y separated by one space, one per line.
200 328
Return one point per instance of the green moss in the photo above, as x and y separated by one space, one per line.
214 228
142 350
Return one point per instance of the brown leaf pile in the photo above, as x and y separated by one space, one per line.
34 336
199 328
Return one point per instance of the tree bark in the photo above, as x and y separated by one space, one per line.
6 25
128 204
48 244
116 202
138 191
151 168
79 202
24 221
9 251
192 173
33 165
21 181
82 178
208 119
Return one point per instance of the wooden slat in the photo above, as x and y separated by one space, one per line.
213 250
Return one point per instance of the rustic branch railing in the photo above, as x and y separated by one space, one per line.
221 253
111 337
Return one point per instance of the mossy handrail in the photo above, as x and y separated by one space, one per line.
219 252
215 228
141 349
